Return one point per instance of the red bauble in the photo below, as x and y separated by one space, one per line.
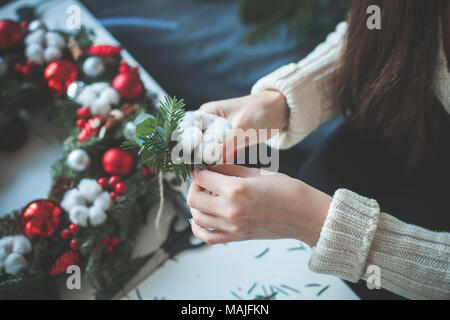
58 75
129 84
40 219
65 234
10 34
65 260
103 182
118 162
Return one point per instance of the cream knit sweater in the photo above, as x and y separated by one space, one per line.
413 262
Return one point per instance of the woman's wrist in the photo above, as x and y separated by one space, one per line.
275 108
311 208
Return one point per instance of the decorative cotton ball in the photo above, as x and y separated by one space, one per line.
211 153
78 160
7 243
100 107
72 198
191 138
52 53
93 67
188 120
36 25
103 201
79 215
206 118
36 37
35 53
74 89
15 263
129 131
3 255
86 96
3 67
96 216
54 39
111 95
21 245
89 189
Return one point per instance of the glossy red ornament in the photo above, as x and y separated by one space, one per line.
112 181
118 162
73 228
120 188
10 34
74 245
103 182
80 123
128 83
65 234
40 219
58 75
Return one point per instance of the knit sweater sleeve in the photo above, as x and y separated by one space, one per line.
306 86
413 262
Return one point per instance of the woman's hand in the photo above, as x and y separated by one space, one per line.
249 203
267 109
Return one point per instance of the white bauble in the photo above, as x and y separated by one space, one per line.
74 89
3 67
96 216
93 67
78 160
52 53
15 263
54 39
35 25
129 131
35 53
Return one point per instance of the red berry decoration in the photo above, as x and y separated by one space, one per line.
112 181
114 241
73 228
128 83
80 123
10 34
58 75
104 241
84 112
118 162
65 234
120 188
40 219
74 245
64 261
103 182
113 195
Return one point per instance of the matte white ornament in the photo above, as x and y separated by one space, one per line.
129 131
93 67
54 39
78 160
79 215
103 201
72 198
36 37
3 67
89 189
99 97
96 216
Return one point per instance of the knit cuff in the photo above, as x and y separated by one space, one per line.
346 236
302 98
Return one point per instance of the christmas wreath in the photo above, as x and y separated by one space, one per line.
100 194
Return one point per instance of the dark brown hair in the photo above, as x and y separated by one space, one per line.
384 82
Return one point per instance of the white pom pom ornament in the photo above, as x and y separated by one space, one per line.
44 46
12 251
99 97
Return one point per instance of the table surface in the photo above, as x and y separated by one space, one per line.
242 270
